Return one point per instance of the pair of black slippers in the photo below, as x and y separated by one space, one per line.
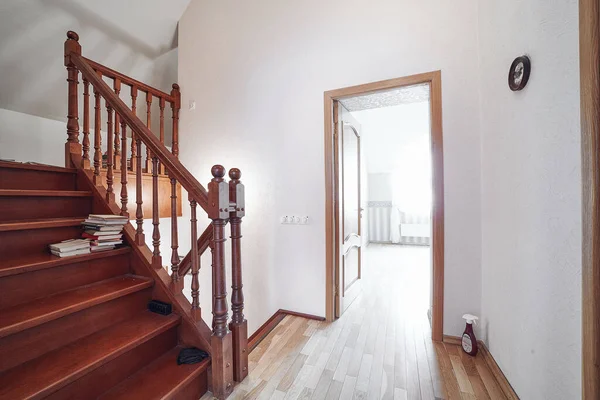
191 355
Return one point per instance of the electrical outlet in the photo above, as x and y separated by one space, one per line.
294 220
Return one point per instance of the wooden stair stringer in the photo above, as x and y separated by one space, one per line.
193 330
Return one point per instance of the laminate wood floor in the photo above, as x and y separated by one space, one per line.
380 348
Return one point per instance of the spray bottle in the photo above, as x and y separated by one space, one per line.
469 342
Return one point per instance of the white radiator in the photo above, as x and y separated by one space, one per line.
414 229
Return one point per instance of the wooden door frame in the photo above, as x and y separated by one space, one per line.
589 63
434 79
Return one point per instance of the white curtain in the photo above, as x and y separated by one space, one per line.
411 185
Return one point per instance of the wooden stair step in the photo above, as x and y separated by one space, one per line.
162 379
49 308
35 262
44 375
37 167
40 223
31 176
44 193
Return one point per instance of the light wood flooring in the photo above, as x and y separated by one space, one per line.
380 348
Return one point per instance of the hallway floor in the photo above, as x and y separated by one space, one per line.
379 349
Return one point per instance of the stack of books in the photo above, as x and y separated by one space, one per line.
104 231
71 247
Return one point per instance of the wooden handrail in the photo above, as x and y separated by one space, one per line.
203 244
171 163
126 80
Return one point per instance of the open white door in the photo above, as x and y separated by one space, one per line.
349 229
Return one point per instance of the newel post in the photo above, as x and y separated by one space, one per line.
72 147
238 324
221 341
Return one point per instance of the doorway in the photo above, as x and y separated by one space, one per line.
346 231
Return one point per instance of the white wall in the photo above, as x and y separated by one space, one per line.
25 137
386 131
258 70
531 183
380 187
137 39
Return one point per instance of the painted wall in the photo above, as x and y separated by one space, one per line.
137 39
531 184
257 71
25 137
380 187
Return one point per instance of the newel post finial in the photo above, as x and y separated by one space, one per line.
72 46
218 172
73 36
235 174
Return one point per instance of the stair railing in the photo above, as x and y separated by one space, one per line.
223 201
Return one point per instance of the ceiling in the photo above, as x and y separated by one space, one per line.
131 36
394 126
388 98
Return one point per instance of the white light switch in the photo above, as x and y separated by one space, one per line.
192 105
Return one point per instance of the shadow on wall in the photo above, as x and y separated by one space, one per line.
132 38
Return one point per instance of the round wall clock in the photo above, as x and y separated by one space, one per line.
518 75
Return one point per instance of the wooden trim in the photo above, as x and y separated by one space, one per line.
302 315
272 322
265 329
331 195
497 372
589 59
456 340
505 386
437 212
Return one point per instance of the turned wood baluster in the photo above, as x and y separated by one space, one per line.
110 195
117 155
238 324
174 239
140 240
156 258
72 147
195 262
221 339
124 198
149 125
134 92
85 161
97 136
161 106
175 151
175 106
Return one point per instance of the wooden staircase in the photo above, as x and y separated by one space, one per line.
78 327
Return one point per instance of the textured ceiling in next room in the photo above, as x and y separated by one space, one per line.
388 98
